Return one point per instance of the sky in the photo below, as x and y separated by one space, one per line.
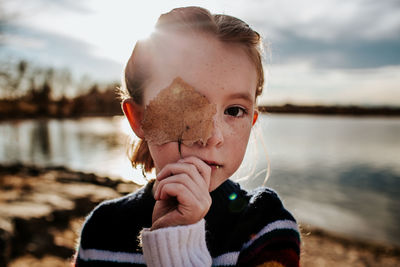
316 52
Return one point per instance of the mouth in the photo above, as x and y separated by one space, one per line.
213 165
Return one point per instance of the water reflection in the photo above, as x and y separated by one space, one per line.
339 173
40 141
91 144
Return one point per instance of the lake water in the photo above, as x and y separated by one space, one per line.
339 173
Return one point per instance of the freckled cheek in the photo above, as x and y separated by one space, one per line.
239 130
235 151
238 136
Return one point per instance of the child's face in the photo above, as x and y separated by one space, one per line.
225 75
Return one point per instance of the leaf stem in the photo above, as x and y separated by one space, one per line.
179 146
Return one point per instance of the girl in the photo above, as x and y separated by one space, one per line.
192 214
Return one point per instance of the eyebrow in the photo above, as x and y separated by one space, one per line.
245 96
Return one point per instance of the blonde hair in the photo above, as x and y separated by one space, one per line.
224 28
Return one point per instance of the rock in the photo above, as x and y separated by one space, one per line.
6 233
37 204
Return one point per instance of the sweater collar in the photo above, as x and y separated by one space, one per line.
228 198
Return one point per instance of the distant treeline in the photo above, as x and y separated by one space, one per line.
29 91
94 103
106 103
333 110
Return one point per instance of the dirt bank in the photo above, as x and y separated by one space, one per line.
41 212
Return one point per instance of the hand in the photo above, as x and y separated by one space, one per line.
181 193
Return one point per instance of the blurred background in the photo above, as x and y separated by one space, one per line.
331 132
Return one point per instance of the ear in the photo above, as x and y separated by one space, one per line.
255 117
134 114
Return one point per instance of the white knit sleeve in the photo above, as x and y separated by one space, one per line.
176 246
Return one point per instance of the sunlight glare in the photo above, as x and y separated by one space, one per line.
124 127
125 22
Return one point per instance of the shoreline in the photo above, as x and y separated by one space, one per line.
313 237
333 110
323 110
42 209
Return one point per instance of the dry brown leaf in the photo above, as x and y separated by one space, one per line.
178 114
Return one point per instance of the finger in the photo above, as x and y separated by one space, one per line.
154 189
185 168
183 179
179 191
188 204
173 218
203 168
201 194
175 168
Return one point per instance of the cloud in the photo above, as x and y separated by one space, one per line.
50 49
301 83
36 7
330 34
326 19
326 51
71 5
351 52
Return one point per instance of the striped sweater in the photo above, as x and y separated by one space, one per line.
241 229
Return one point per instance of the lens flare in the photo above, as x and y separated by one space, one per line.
233 196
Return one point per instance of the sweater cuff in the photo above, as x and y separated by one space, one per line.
176 246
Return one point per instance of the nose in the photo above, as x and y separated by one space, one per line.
217 137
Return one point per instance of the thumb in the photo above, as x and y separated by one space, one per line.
173 218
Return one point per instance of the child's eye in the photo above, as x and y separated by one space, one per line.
235 111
